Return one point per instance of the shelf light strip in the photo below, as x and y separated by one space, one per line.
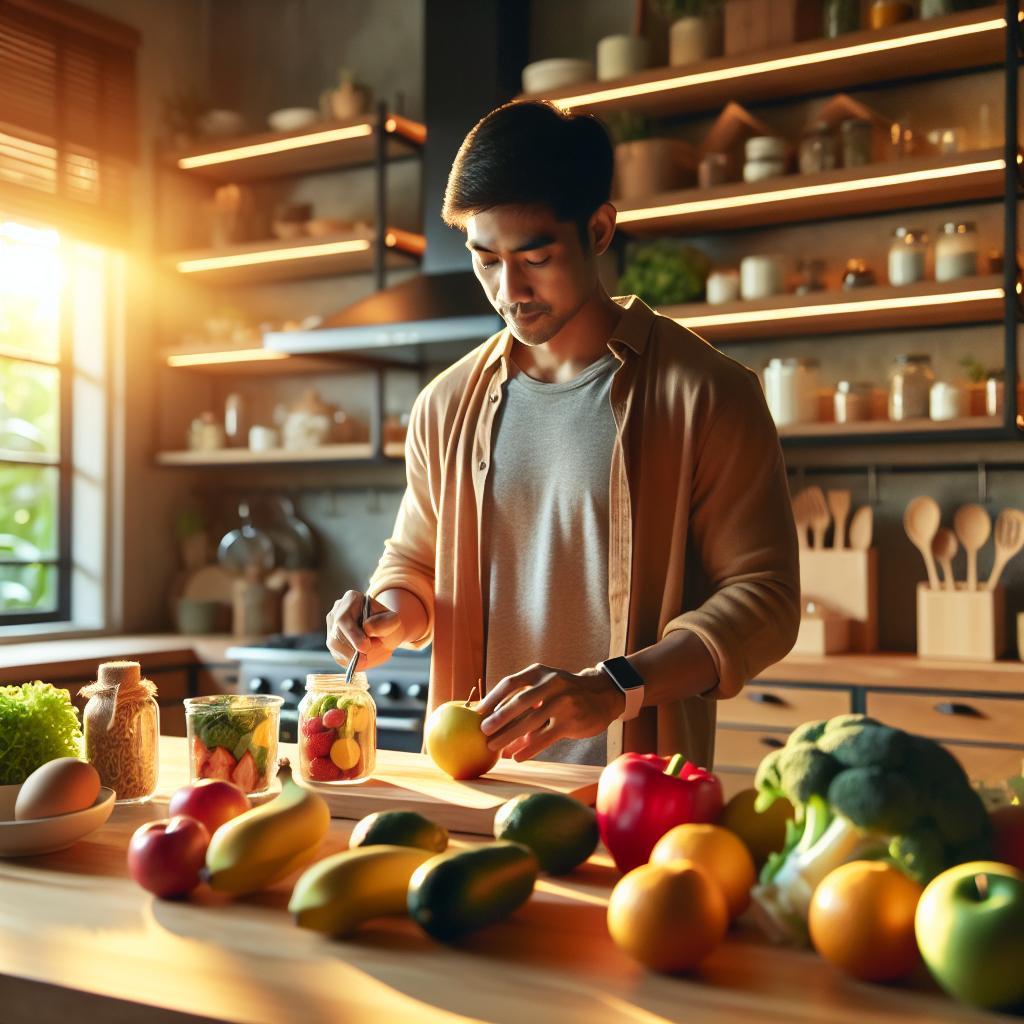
839 308
223 156
241 355
622 92
783 195
298 252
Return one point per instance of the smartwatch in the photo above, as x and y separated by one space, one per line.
629 681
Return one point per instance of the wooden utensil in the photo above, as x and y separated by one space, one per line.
802 517
839 506
973 526
921 521
862 528
944 548
1009 539
818 515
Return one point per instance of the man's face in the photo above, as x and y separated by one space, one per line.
534 268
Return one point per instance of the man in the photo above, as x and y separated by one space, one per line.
596 528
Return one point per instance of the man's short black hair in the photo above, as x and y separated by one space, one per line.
529 153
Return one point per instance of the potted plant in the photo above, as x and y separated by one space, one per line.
645 165
695 29
664 273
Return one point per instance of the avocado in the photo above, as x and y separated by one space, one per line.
561 831
399 828
459 891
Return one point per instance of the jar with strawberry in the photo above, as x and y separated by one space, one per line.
337 729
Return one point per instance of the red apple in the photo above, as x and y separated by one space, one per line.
165 856
1008 838
210 801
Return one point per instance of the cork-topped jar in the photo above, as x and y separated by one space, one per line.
121 726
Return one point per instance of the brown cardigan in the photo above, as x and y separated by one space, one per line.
701 534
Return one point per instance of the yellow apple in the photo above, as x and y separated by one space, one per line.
455 741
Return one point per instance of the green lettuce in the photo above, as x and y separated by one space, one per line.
38 723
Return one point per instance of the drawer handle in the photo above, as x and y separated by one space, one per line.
950 707
760 697
771 741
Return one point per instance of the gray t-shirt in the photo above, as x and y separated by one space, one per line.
544 553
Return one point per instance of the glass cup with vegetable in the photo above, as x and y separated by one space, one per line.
337 729
234 738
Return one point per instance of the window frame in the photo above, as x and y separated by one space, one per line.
63 463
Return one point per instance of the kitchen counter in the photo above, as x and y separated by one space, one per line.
80 941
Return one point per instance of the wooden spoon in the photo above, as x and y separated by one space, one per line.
839 506
818 514
921 521
862 528
801 516
944 548
1009 538
973 526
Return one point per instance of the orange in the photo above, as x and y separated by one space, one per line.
669 917
763 833
862 920
720 852
345 753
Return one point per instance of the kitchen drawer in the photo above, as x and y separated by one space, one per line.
988 764
744 749
782 707
985 719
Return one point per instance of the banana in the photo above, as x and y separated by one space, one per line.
342 891
264 844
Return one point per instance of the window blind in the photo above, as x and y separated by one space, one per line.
68 118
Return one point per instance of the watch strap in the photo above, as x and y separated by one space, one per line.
629 681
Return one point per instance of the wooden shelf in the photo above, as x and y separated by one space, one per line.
276 456
921 181
294 258
322 146
926 304
889 428
912 49
252 361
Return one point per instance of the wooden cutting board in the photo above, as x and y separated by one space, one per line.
412 782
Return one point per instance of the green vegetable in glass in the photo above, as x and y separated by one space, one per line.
38 723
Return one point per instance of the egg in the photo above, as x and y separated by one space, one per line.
62 786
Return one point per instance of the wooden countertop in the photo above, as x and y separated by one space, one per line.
80 941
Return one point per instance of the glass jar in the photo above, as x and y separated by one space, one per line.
858 138
910 385
337 729
852 401
956 251
936 8
907 255
234 737
884 13
791 390
946 401
840 17
858 274
121 731
818 149
810 271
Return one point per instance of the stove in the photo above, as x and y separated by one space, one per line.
399 687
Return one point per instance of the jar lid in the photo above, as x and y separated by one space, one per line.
849 387
855 265
952 227
792 362
910 235
334 682
918 358
765 147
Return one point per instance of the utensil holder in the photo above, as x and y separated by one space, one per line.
846 581
823 636
962 624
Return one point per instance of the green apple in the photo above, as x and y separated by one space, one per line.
970 930
455 741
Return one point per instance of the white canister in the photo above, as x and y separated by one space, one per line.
762 170
723 286
620 55
762 276
945 401
695 38
263 439
791 390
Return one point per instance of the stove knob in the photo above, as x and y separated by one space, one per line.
290 686
258 685
417 691
389 690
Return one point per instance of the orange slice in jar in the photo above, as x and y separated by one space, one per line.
345 753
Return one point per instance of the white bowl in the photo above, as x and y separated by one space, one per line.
547 75
47 835
291 119
217 123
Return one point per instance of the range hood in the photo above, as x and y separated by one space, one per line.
473 57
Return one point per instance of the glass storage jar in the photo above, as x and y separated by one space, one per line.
817 149
337 729
858 138
858 274
884 13
791 390
840 17
910 384
956 251
852 401
907 256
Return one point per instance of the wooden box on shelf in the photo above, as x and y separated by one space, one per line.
757 25
963 624
845 580
820 635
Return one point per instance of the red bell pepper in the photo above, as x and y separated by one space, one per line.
641 796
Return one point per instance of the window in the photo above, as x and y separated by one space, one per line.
35 474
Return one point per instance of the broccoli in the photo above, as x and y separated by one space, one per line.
862 789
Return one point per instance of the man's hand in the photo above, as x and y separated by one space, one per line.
526 712
376 637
